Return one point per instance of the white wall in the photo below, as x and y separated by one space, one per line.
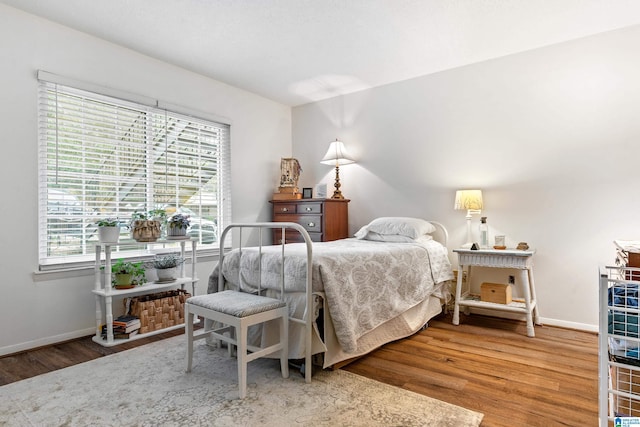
551 136
40 309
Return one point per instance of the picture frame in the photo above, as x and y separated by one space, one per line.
307 193
321 191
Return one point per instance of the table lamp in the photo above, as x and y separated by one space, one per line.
471 200
337 155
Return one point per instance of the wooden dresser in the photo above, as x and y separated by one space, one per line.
324 219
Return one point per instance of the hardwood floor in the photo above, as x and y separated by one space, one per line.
490 365
485 364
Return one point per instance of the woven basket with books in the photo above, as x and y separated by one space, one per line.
158 311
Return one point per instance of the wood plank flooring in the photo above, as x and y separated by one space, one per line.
485 364
490 365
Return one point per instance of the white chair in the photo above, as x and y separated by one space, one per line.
236 311
228 314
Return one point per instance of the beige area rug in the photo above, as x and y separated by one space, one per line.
147 386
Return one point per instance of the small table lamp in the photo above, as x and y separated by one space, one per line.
337 155
471 200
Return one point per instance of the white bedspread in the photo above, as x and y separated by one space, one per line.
365 283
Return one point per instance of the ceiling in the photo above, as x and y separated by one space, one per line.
299 51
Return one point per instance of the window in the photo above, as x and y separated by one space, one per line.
104 157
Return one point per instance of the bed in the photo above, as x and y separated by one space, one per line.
380 286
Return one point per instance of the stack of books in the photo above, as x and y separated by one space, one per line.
123 327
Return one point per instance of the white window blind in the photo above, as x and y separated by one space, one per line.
102 157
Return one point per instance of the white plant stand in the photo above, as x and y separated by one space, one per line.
104 294
515 259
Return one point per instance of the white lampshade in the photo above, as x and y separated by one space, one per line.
469 200
337 155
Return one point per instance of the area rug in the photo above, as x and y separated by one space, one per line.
147 386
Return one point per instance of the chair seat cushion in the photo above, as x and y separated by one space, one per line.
238 304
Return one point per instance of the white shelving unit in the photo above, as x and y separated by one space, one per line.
516 259
105 293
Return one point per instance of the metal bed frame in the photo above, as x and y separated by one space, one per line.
307 319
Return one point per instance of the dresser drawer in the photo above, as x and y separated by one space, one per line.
294 237
311 223
286 208
309 208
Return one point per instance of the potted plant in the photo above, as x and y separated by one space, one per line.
146 226
167 267
177 226
108 230
127 274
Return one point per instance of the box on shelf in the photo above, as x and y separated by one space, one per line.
158 311
495 292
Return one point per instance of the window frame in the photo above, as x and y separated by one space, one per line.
47 81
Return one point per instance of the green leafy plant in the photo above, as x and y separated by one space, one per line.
108 222
135 269
152 215
162 262
179 221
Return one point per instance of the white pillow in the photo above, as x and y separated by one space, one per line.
397 226
389 238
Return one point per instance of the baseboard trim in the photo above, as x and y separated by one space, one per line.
545 320
55 339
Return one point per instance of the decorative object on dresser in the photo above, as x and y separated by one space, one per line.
289 176
324 219
337 155
471 201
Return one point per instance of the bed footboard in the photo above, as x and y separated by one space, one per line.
307 320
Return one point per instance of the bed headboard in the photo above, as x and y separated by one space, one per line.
441 234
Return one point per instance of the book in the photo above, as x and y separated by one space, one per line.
129 323
121 329
121 335
126 320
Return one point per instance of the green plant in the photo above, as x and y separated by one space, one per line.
135 269
152 215
179 221
108 222
167 261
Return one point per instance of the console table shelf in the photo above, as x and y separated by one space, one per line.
104 293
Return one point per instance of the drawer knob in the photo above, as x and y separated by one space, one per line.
308 209
285 210
312 224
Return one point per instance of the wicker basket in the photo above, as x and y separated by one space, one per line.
158 311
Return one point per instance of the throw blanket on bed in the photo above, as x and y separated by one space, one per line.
366 283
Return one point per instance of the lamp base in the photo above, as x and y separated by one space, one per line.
337 194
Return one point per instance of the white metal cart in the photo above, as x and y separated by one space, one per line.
619 347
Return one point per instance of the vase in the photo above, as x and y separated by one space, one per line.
176 232
167 274
123 281
108 234
145 230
